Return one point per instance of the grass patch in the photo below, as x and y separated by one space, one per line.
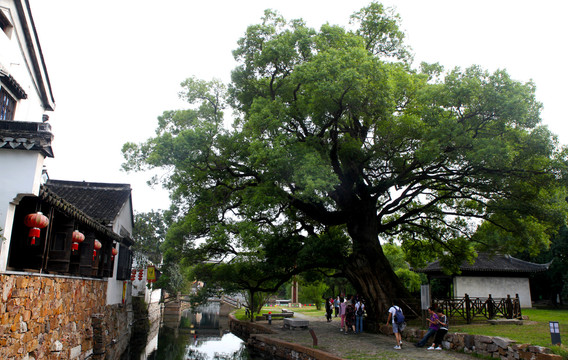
535 331
308 311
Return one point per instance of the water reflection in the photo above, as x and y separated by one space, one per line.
202 335
227 347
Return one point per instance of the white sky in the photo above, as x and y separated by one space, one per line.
116 65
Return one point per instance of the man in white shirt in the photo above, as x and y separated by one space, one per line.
395 327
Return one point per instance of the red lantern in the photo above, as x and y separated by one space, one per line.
97 246
78 237
36 222
114 253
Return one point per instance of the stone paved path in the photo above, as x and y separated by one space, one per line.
363 346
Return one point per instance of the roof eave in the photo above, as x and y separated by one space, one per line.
36 55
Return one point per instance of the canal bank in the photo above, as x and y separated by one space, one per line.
201 333
279 343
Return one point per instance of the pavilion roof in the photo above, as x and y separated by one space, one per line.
490 263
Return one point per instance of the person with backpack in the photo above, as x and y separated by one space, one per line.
434 326
442 331
350 316
359 312
397 316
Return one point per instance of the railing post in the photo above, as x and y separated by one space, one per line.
490 307
467 309
509 307
518 311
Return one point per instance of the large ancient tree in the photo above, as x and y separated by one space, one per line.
338 144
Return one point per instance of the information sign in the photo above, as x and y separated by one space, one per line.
555 333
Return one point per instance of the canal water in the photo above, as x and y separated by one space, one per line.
201 335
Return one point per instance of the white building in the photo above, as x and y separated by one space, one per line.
71 291
496 275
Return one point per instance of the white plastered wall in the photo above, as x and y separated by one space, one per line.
114 286
498 287
20 174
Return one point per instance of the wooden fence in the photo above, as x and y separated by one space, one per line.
490 308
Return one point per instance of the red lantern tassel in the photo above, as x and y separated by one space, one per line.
34 233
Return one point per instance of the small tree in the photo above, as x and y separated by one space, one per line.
313 292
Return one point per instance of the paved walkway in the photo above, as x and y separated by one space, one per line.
365 346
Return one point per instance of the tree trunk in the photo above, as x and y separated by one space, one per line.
371 274
252 307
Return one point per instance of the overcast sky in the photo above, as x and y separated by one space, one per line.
116 65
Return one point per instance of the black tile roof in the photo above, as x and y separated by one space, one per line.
25 135
490 263
11 83
101 201
63 205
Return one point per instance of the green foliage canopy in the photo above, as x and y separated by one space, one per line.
149 231
338 141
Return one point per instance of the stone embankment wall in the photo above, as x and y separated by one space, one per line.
495 347
276 349
52 317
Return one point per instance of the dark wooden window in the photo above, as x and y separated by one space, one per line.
124 263
106 260
7 105
86 257
22 255
59 255
52 252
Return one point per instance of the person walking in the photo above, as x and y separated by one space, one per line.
432 328
396 324
342 308
359 312
336 306
328 308
350 316
442 331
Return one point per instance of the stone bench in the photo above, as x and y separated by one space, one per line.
275 316
295 323
280 315
505 322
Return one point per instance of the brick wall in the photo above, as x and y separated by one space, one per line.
47 317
